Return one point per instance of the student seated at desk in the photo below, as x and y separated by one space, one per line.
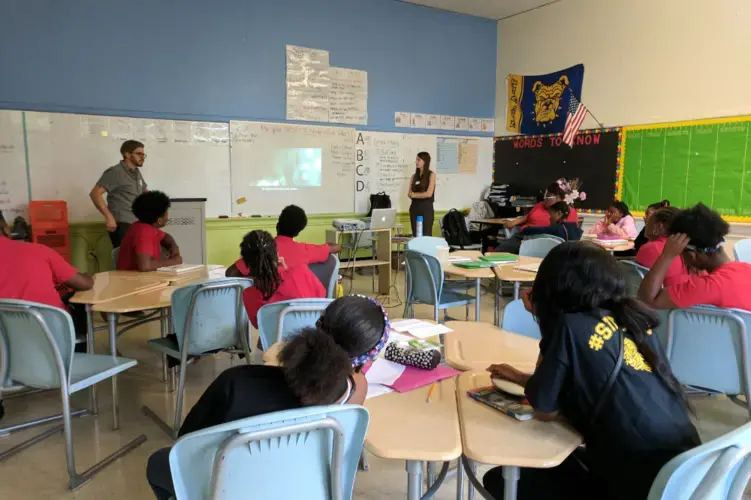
697 235
141 248
590 328
559 212
618 222
273 280
641 238
319 366
657 231
35 272
291 222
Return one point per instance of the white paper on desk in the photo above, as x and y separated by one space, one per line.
403 325
427 330
460 259
384 372
217 272
395 336
375 390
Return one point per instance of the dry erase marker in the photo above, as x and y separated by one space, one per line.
431 391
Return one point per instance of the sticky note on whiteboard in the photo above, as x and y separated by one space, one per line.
104 133
240 201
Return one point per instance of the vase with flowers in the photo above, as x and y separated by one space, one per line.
572 190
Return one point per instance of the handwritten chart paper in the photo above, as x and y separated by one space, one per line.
308 84
348 96
468 157
447 161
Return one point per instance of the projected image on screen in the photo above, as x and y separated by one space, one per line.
292 168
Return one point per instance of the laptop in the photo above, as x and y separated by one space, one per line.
383 218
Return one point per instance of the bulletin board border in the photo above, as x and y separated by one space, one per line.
682 123
617 189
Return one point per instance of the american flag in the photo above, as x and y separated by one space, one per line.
576 113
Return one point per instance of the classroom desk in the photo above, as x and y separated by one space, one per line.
612 249
507 272
404 426
382 261
492 438
475 274
475 346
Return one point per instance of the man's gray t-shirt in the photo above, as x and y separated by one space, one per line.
123 185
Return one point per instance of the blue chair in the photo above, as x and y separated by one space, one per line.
327 273
518 320
548 236
538 247
708 348
634 274
716 470
40 341
742 251
426 244
282 320
207 317
425 285
309 453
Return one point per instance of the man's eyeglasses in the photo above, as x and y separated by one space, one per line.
140 155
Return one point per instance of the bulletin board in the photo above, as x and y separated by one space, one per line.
689 162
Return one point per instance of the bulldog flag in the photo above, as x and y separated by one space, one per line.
538 104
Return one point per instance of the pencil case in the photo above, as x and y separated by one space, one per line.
410 356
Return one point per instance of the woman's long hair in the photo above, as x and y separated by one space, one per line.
425 177
258 250
581 277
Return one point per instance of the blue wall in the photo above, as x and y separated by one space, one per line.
225 59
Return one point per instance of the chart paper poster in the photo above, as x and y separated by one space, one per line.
433 121
348 96
308 84
448 122
418 120
462 123
402 119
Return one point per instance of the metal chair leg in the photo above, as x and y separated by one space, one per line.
175 428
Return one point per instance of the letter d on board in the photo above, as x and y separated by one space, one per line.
360 186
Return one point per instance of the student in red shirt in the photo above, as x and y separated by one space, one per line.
141 248
273 280
697 236
291 222
657 231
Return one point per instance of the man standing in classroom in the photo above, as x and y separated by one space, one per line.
122 183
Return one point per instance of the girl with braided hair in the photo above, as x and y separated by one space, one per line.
272 281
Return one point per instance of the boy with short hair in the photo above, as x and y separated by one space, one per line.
141 248
291 222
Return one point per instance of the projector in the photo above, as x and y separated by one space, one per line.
348 224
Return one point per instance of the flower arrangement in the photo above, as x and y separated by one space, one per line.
572 190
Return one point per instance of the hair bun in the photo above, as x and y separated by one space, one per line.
665 203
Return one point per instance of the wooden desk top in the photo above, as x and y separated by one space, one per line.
491 222
156 298
112 285
619 248
507 272
476 345
467 273
404 426
491 437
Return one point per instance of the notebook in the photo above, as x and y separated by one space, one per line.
475 264
512 406
405 378
532 268
500 257
180 268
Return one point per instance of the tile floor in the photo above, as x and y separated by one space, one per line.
40 472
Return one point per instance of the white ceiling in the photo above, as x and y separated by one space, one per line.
492 9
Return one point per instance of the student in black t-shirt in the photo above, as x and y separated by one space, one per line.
319 366
587 323
559 212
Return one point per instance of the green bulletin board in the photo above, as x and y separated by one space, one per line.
689 162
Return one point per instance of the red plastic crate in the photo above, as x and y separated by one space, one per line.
49 225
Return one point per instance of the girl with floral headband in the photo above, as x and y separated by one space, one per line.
697 236
319 366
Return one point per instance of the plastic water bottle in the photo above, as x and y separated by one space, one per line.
418 227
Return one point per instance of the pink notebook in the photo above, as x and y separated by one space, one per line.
414 378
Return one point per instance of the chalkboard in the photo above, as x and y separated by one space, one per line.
689 162
531 162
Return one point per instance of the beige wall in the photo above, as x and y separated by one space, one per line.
645 61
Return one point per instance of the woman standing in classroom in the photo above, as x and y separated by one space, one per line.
422 194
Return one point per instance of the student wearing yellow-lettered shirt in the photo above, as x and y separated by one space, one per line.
592 332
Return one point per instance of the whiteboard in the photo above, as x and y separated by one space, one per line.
385 161
68 153
14 187
263 182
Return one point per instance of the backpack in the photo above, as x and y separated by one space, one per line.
379 200
455 229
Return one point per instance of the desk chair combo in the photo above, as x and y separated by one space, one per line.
281 320
742 251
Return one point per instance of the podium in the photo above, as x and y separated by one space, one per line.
187 225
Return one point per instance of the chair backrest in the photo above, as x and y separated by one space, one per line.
538 247
40 340
742 251
634 274
425 277
708 347
115 257
716 470
309 453
327 273
426 244
281 320
211 314
518 320
549 236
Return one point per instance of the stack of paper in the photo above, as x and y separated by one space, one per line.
532 268
453 260
418 328
180 268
